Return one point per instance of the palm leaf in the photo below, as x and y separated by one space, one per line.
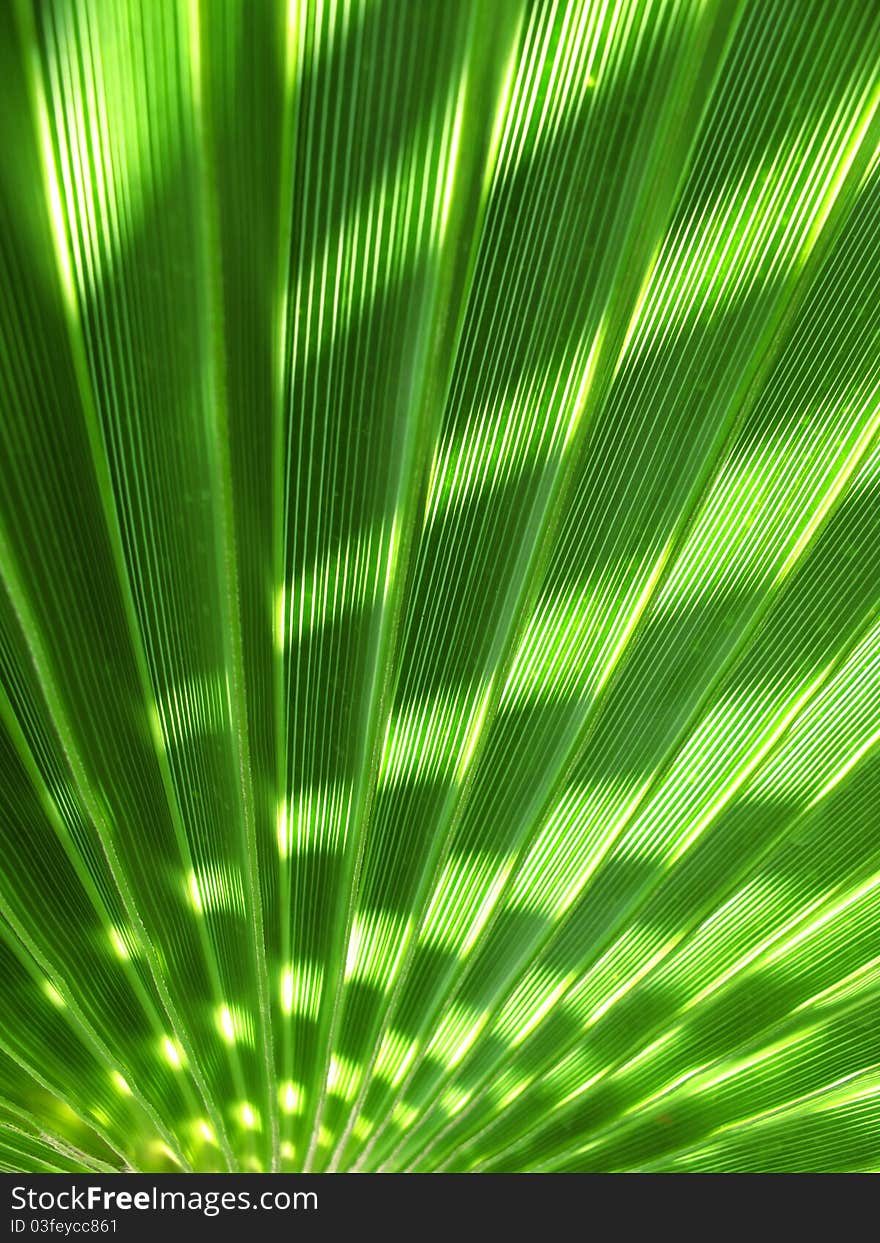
439 633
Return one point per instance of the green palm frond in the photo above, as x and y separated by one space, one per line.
440 622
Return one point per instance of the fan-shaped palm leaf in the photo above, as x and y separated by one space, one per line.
439 633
